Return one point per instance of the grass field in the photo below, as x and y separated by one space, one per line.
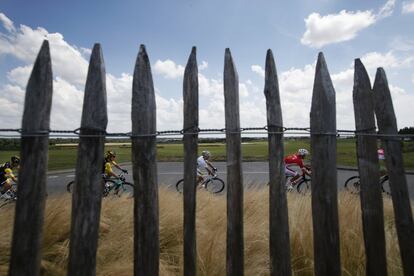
115 255
65 157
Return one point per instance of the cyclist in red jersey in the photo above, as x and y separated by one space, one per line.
295 160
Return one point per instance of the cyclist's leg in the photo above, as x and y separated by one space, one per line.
7 191
200 177
291 173
5 185
2 181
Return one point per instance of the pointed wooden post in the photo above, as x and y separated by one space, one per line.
387 125
190 95
324 175
28 221
235 260
146 233
87 193
279 241
371 194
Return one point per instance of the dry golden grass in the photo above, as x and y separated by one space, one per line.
115 255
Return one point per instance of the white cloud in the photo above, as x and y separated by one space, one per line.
211 88
342 26
386 10
67 105
243 90
24 44
86 51
203 65
333 28
168 69
20 75
7 23
11 107
69 67
296 86
258 70
389 60
407 7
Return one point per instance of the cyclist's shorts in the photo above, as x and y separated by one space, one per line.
3 182
199 173
290 172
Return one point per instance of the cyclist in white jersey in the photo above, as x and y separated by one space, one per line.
204 165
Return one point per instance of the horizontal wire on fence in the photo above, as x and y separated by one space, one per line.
90 132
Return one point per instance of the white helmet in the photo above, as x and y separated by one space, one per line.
303 152
205 154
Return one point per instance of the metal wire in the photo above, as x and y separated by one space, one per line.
277 130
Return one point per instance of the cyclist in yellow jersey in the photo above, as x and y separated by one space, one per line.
110 157
6 173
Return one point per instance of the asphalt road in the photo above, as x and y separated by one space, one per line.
255 174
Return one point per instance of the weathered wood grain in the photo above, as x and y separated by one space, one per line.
235 259
371 192
279 242
324 174
190 95
29 215
87 193
387 124
146 220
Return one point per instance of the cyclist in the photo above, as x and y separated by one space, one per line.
203 164
295 160
110 157
381 159
6 174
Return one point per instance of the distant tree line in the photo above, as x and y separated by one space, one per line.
406 130
9 144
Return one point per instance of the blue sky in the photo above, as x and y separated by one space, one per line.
376 31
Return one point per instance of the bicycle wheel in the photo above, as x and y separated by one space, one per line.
180 186
304 187
69 186
215 185
352 184
385 185
126 190
6 202
287 180
7 198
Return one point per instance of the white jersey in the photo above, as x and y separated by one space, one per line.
201 165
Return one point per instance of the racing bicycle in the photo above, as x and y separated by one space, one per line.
10 196
303 186
112 187
353 184
211 183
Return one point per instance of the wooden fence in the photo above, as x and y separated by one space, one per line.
86 204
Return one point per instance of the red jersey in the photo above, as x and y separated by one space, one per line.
294 159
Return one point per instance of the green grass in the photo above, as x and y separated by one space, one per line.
64 158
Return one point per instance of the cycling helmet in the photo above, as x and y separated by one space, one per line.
15 160
110 154
205 154
303 152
